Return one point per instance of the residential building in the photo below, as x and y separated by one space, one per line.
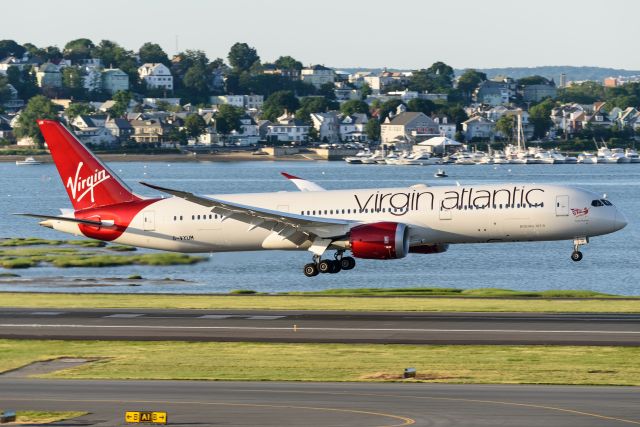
49 75
288 129
327 125
495 92
119 128
14 103
248 102
156 76
627 117
446 127
95 135
93 121
352 128
407 127
248 135
114 80
149 131
478 127
6 131
92 78
290 73
379 82
318 75
536 93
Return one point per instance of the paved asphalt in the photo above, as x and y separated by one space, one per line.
316 326
322 404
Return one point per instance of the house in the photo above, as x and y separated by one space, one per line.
20 63
352 128
494 93
93 121
627 117
114 80
536 93
248 102
446 127
378 82
156 76
119 128
92 78
154 102
327 125
478 127
13 103
149 131
288 129
318 75
407 126
248 135
95 135
289 73
49 75
6 131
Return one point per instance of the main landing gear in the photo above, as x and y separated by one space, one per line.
576 255
329 266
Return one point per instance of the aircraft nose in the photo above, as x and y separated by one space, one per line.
619 221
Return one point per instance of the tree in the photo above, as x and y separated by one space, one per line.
78 49
288 63
387 107
78 109
506 126
72 77
312 104
153 53
365 91
350 107
38 107
242 56
24 81
277 103
372 129
540 117
469 81
111 53
421 105
194 125
10 47
328 91
532 80
228 119
122 99
442 74
5 92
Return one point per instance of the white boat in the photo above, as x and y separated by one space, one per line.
632 155
440 174
587 158
464 159
619 155
419 159
499 158
28 161
548 158
357 159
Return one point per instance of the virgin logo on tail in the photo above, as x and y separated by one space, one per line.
80 187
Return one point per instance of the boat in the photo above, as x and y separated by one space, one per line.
587 158
28 161
357 159
419 159
440 174
619 155
632 155
463 158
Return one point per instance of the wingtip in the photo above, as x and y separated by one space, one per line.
289 176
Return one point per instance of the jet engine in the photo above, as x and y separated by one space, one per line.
380 240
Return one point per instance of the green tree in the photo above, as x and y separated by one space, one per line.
387 107
506 126
421 105
153 53
242 56
540 117
78 49
10 47
365 91
469 81
24 81
328 91
228 119
532 80
275 105
312 104
583 93
442 74
288 63
196 81
72 77
372 129
194 125
122 100
5 92
354 106
78 109
38 107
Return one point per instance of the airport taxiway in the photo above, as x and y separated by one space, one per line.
322 326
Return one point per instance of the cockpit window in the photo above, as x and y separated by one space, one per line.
606 202
596 203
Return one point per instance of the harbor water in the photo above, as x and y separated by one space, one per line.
610 262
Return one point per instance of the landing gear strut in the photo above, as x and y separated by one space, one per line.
576 255
329 266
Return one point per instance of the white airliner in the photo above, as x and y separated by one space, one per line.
383 223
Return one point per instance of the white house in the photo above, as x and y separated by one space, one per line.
478 127
287 128
446 127
114 80
247 102
352 128
327 126
407 126
49 75
156 76
318 75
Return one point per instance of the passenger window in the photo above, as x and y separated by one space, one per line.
193 217
174 217
596 203
180 217
606 202
210 216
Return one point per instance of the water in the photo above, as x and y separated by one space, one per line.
610 262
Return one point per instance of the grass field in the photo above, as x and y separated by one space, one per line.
332 362
295 302
45 417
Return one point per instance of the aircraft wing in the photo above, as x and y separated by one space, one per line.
303 184
297 228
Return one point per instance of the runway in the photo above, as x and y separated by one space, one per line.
318 326
324 404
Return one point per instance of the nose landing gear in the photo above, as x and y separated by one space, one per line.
576 255
329 266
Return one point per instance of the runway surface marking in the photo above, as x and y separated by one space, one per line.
302 328
405 421
46 313
456 399
123 315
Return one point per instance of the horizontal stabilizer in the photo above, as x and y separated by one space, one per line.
64 218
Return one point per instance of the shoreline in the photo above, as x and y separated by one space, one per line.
174 157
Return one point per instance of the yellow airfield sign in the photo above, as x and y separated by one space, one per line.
145 417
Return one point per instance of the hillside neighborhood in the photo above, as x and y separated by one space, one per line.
119 99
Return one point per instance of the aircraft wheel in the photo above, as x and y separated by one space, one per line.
576 256
335 267
325 266
311 270
347 263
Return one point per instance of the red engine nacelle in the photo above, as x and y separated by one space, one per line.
429 249
380 240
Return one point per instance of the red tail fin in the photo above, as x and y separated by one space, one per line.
88 181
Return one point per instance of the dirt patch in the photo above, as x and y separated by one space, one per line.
47 366
386 376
